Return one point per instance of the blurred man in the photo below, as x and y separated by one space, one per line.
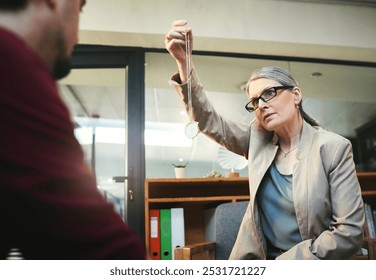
50 207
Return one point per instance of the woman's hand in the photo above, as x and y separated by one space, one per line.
175 42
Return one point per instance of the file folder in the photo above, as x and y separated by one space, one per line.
155 240
166 253
177 229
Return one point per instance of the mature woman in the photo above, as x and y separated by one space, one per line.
305 197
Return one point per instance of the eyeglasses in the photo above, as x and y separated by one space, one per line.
265 96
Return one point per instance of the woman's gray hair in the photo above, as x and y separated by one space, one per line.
283 77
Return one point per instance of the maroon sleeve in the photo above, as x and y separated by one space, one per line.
50 207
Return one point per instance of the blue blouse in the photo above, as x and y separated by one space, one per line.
277 213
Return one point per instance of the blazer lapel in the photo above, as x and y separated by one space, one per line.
301 178
262 151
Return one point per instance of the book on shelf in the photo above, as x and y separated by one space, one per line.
154 239
370 220
166 246
177 229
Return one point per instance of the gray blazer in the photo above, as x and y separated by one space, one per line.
326 191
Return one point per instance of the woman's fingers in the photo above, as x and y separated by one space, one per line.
176 38
179 22
172 34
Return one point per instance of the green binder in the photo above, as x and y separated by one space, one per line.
166 247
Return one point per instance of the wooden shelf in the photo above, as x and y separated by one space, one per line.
368 193
367 181
195 195
199 199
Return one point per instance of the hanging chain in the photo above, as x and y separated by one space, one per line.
189 82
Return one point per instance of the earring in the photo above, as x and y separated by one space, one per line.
297 106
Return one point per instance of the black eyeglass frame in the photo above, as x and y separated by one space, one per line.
251 109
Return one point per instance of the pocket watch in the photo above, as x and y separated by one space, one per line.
191 129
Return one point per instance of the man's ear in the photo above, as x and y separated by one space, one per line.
51 3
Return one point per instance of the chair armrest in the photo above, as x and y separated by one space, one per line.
370 244
204 250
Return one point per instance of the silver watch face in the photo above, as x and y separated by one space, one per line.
191 130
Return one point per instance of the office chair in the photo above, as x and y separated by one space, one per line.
225 226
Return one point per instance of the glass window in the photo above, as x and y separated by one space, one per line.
340 97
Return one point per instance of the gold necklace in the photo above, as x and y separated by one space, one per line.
285 154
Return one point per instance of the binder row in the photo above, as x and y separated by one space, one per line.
166 232
370 220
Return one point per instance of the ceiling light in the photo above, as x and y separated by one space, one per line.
243 86
316 74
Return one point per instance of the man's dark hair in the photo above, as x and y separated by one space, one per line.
13 5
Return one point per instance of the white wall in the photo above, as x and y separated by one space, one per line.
254 26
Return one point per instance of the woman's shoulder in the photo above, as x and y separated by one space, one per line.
332 147
330 135
329 138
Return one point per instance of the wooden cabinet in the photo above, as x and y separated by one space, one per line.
197 194
366 138
367 182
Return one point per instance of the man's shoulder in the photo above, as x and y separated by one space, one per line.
16 54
